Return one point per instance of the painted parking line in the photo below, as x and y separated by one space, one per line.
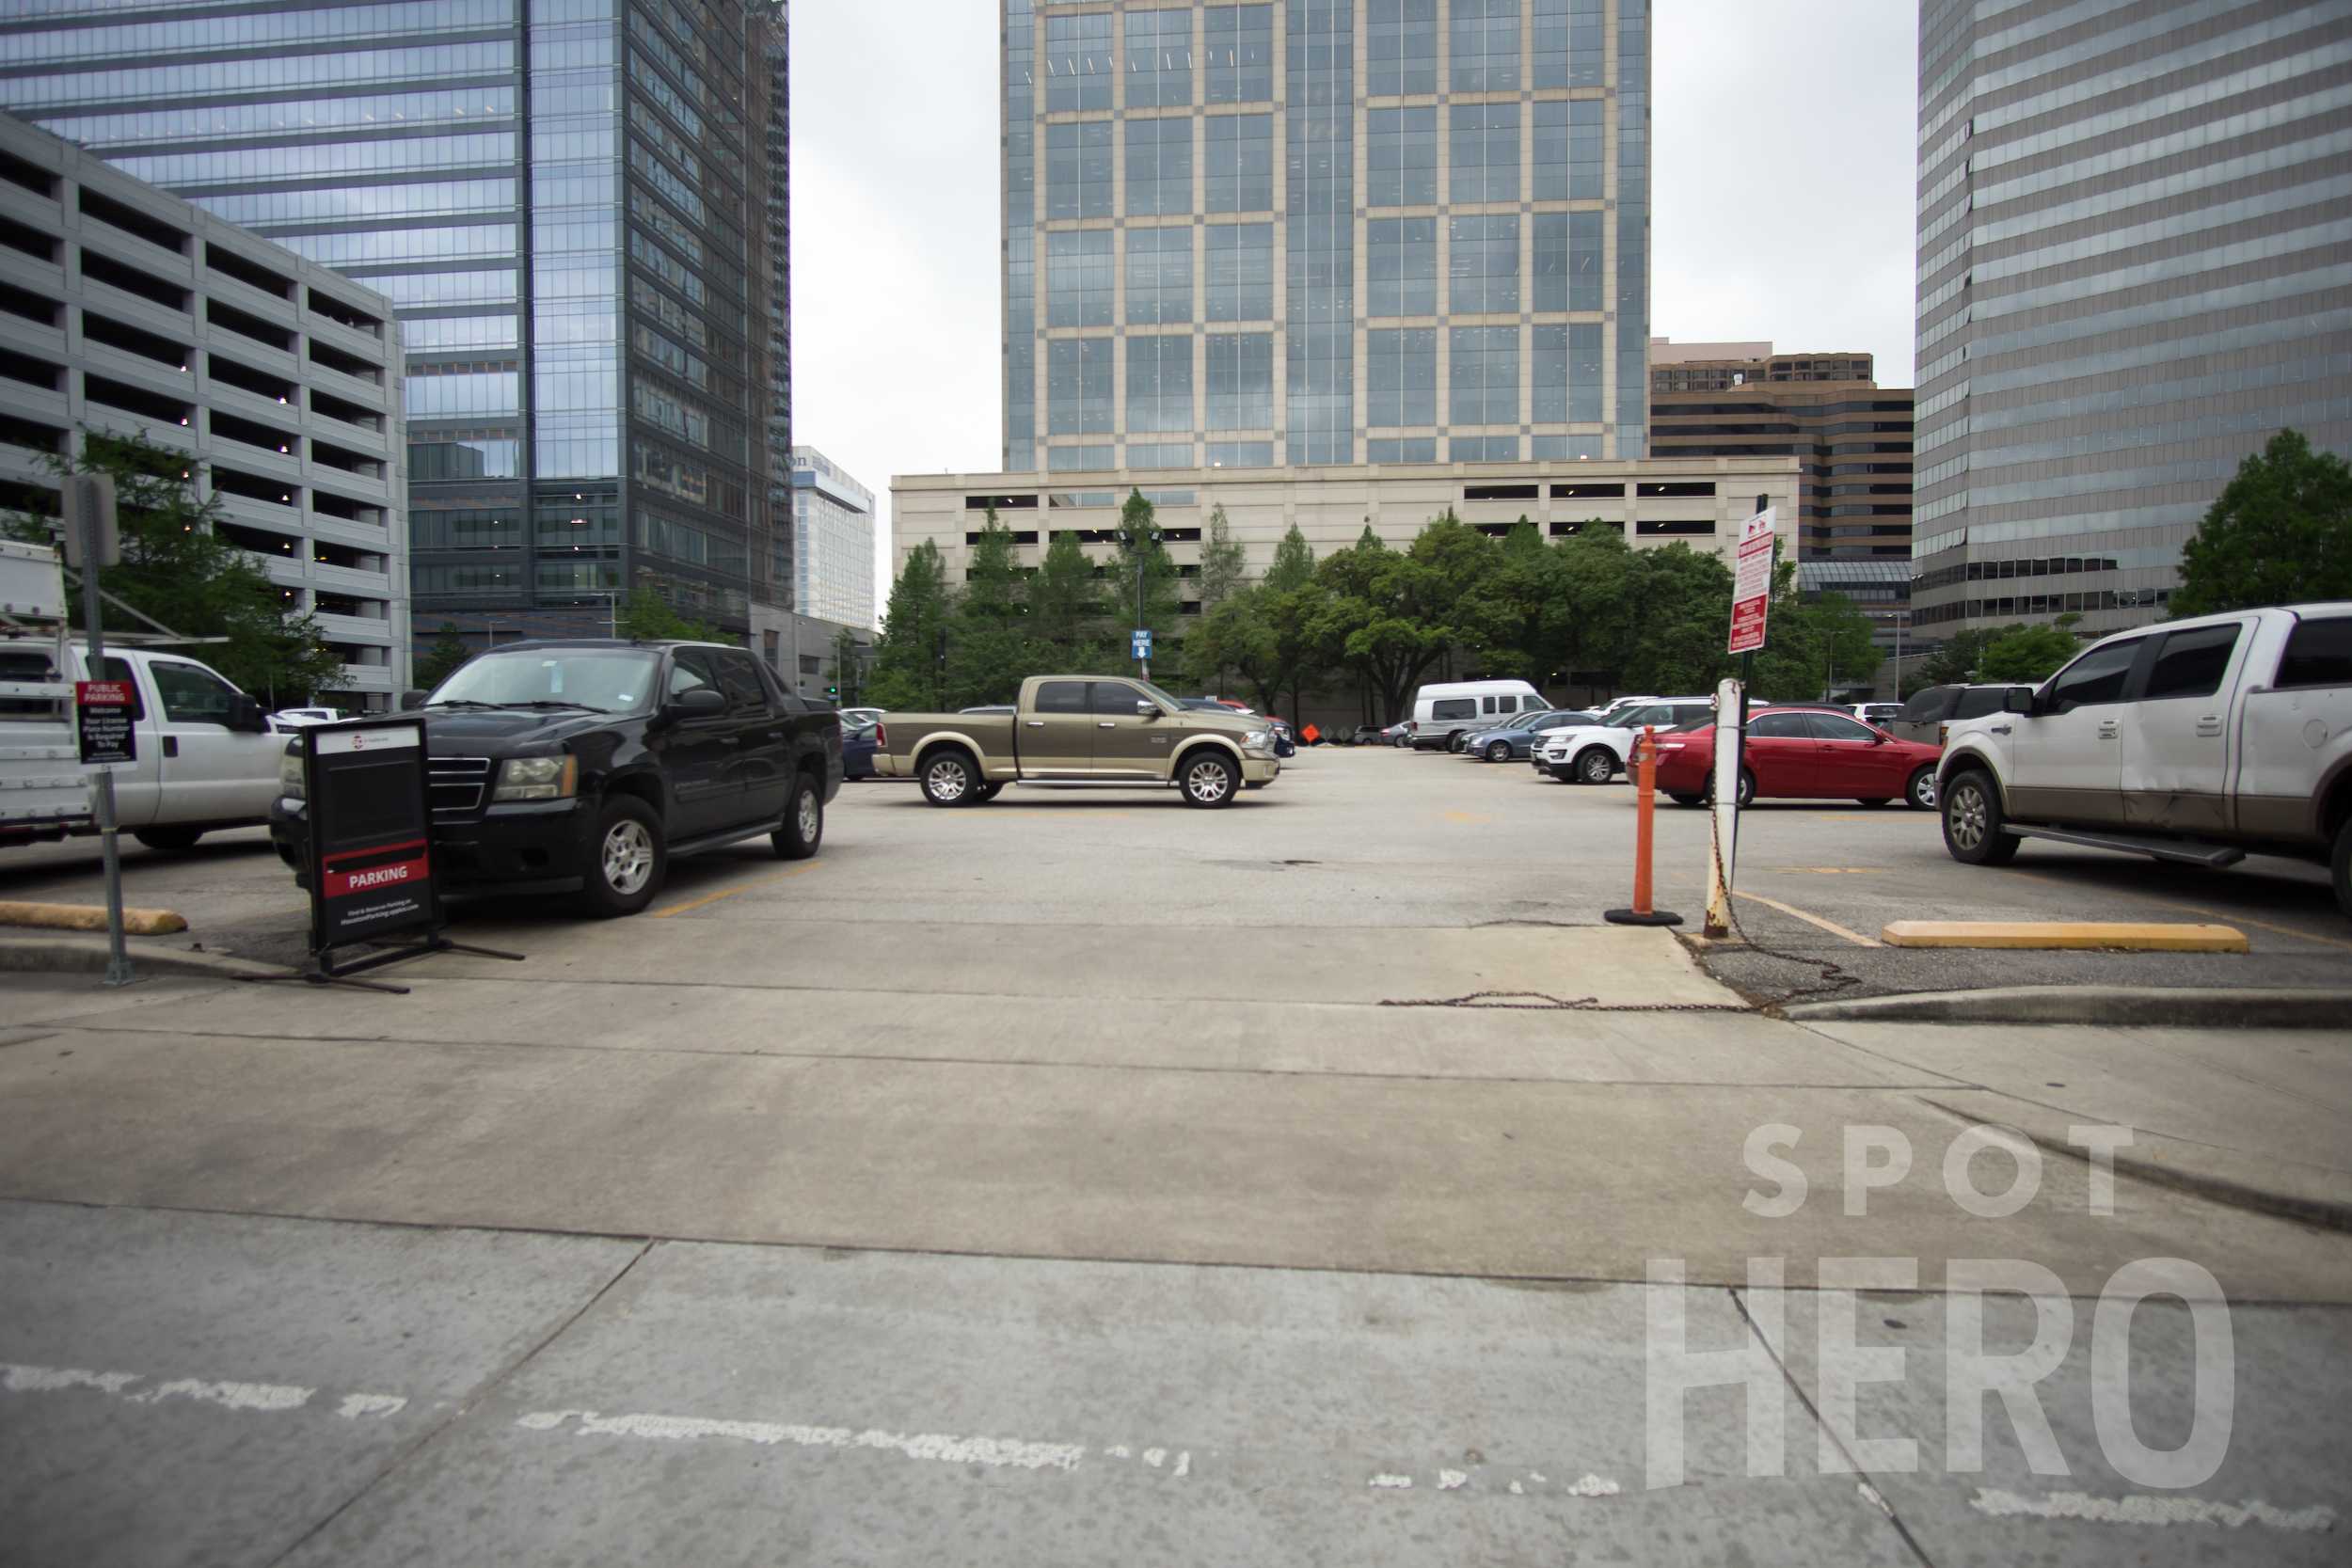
710 898
2271 926
1830 926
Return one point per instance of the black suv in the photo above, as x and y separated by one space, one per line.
585 764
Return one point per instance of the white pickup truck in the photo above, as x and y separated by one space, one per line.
2199 741
207 758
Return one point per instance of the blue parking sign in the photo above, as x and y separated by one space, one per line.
1143 643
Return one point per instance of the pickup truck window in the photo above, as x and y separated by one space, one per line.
2319 652
2191 663
2098 676
1977 701
690 668
607 680
738 677
1114 699
113 669
1062 697
191 694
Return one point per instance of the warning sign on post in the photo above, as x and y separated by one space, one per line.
102 723
1752 580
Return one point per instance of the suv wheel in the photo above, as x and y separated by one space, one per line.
1498 752
1971 821
951 777
1919 794
626 860
1595 765
1210 779
803 827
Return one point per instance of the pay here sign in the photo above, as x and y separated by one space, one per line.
1752 580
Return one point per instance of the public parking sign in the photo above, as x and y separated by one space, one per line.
370 869
1752 581
102 723
1142 636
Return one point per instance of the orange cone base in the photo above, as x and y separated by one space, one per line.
1636 917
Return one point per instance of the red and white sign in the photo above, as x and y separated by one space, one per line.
101 724
1752 580
379 737
379 876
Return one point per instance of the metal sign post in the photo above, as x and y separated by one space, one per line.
93 541
1141 644
1751 608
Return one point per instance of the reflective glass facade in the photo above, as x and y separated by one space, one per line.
578 209
833 541
1324 231
2135 265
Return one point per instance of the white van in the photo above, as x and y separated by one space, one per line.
1447 711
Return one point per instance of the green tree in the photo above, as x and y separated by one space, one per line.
1294 564
179 571
1591 609
2027 654
1673 642
442 659
646 616
1955 663
1380 618
989 646
1140 545
1811 645
1066 609
908 655
1224 564
2280 534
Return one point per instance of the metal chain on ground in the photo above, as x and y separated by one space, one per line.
1833 974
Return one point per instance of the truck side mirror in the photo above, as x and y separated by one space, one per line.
1146 709
698 700
411 700
2018 699
245 716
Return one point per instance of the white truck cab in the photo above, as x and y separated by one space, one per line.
2199 741
206 757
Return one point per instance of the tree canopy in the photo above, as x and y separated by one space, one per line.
2281 532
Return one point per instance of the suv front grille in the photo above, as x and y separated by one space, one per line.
458 784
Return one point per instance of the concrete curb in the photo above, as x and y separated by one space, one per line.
90 917
63 955
2187 1007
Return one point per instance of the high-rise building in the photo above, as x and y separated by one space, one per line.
574 206
127 313
2134 267
833 541
1324 232
1850 436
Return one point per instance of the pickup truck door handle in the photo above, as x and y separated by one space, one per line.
171 745
1108 724
1999 729
1034 723
2209 725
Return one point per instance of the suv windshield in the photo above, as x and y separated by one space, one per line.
607 680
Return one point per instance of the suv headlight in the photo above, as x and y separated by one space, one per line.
289 781
537 778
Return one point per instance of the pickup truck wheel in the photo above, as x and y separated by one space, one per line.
987 792
951 777
168 838
1595 765
2343 867
1919 794
1971 821
1210 780
803 827
627 859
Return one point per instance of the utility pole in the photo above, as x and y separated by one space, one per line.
1135 541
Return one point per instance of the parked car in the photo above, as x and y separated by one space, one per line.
1801 754
1880 714
1929 713
1595 753
859 716
2199 741
1445 712
588 764
857 751
206 759
1088 729
1516 742
302 718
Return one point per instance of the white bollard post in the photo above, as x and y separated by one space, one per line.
1722 845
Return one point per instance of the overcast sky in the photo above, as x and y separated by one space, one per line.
1784 134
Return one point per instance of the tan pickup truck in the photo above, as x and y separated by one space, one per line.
1082 729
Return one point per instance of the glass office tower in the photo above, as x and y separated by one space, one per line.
578 209
2134 267
1324 231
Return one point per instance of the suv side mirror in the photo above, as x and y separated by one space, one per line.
245 716
698 700
411 700
1146 709
2018 699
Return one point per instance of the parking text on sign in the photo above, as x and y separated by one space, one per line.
1752 580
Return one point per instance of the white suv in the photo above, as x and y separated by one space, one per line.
2197 741
1595 753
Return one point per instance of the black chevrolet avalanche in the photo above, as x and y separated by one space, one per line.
585 765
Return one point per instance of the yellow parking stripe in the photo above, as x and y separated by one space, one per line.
2130 935
1830 926
710 898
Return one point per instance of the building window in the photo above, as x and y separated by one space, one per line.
1159 277
1401 266
1237 54
1078 62
1078 169
1567 248
1401 157
1482 378
1401 49
1482 449
1486 152
1078 387
1240 259
1159 164
1401 365
1159 58
1401 449
1566 369
1078 279
1241 454
1241 380
1159 382
1486 45
1485 265
1238 155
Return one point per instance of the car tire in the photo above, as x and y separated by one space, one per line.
1209 778
1454 741
803 825
1919 794
1403 742
1687 799
2343 865
627 859
1596 765
1873 801
1971 809
168 838
1498 752
987 792
1747 790
952 777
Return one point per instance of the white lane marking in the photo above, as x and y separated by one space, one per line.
1450 1480
2147 1509
998 1452
267 1398
1154 1456
1592 1486
1183 1463
1400 1483
1872 1495
1120 1450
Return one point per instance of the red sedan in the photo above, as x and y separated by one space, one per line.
1803 754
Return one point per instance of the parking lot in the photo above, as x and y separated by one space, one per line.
1374 836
